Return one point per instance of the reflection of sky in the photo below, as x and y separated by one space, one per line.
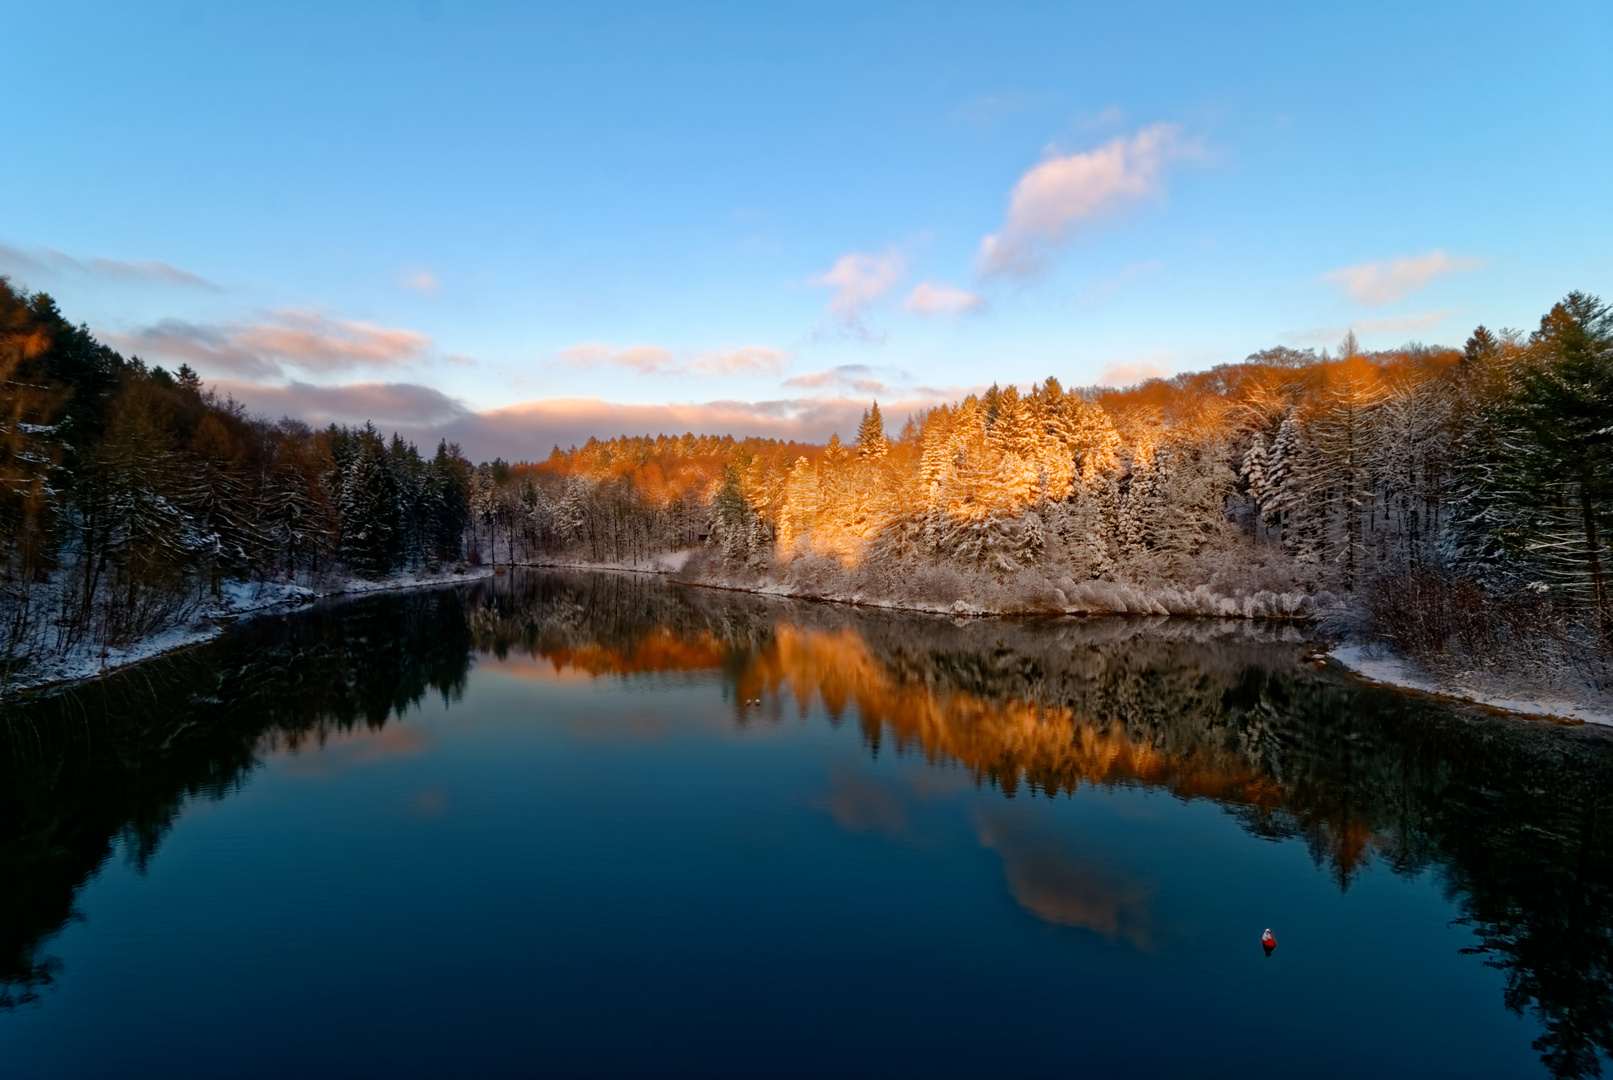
1053 880
506 885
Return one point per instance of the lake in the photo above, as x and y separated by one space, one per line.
603 825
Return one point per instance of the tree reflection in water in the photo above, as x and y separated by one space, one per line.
1507 810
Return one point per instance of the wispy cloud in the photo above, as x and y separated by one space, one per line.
858 377
291 338
859 280
1379 283
1052 202
1403 324
418 280
644 359
405 405
51 263
658 360
745 360
936 298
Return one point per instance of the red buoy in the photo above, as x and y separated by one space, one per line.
1268 940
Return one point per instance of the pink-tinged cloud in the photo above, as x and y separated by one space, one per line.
645 359
1062 885
49 262
530 430
1130 374
745 360
419 281
1379 283
1055 200
657 360
306 340
419 410
1402 324
937 298
860 280
858 377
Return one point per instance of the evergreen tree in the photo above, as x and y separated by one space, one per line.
871 440
369 500
1561 414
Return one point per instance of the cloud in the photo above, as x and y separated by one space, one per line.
421 281
50 262
645 359
1131 373
741 361
939 298
861 803
657 360
1402 324
1061 886
859 377
1379 283
859 280
1057 198
528 430
302 339
419 410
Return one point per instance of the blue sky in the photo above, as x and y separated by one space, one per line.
522 224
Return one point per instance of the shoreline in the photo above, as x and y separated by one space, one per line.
1393 671
241 601
1124 598
210 623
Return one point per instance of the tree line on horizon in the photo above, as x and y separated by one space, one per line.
1461 478
1469 478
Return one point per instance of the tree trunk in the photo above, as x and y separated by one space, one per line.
1604 618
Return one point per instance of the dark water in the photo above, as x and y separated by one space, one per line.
601 826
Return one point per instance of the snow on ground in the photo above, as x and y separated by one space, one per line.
667 562
1394 671
237 599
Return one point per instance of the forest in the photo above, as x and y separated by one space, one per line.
1449 503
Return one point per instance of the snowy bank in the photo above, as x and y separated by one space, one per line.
945 591
1382 667
236 600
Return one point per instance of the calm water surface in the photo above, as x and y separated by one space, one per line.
567 825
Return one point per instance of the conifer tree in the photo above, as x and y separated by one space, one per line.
369 502
1562 451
